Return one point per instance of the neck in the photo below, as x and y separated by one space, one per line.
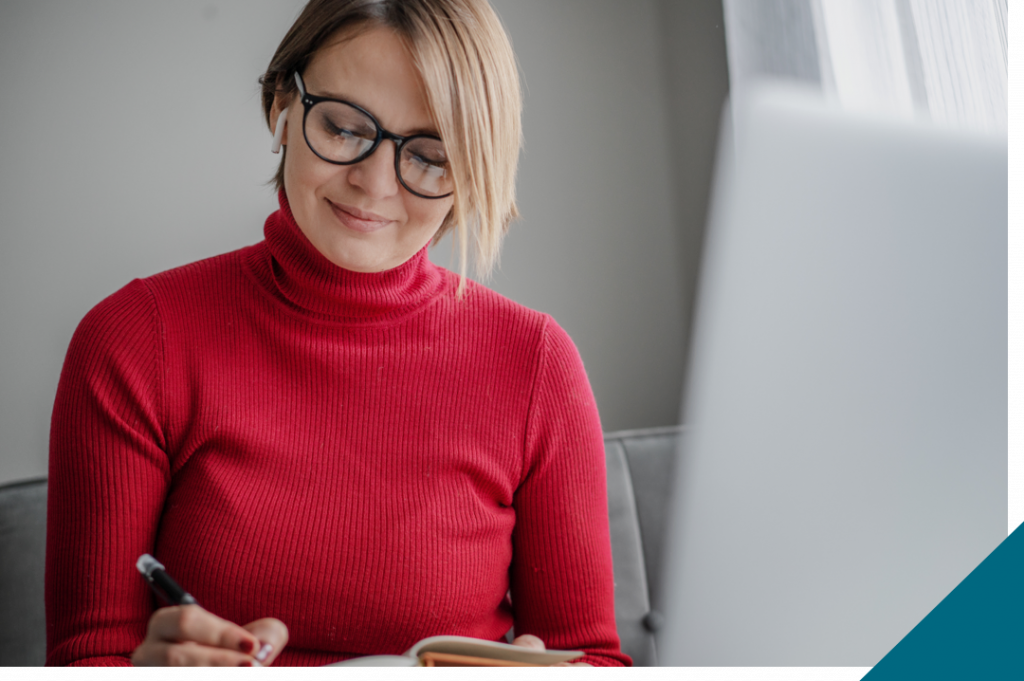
307 280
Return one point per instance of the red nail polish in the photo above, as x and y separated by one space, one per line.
245 663
246 646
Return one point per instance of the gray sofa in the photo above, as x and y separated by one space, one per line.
639 463
22 547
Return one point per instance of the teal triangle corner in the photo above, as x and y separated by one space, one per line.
976 632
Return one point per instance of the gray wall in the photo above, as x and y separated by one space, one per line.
692 39
132 142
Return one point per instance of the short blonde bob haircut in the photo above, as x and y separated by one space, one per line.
472 85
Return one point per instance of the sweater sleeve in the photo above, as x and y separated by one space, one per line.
562 582
108 477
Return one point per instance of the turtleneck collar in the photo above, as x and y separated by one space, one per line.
300 274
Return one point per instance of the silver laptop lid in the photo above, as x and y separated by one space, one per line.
846 462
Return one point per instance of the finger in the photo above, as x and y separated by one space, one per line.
188 654
191 623
273 636
528 641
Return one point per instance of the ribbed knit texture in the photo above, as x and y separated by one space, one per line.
362 456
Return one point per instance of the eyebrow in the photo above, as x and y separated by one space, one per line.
334 95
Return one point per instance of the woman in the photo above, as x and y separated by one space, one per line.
324 435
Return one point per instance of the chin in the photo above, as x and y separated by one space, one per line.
358 257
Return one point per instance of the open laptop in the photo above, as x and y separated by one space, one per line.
845 465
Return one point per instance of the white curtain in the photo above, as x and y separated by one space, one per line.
941 60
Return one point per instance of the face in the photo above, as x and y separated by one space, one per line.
359 216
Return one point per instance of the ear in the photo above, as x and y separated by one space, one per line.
279 123
282 123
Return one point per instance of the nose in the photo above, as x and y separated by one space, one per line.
375 174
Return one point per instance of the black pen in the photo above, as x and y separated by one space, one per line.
171 592
161 582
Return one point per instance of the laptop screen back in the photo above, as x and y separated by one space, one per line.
845 465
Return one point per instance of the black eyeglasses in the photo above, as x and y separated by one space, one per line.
343 133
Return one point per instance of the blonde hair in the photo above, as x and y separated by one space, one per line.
469 72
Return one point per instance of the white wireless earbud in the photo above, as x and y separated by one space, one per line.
275 147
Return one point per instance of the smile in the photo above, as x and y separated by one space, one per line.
358 220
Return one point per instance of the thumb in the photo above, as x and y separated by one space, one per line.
528 641
273 636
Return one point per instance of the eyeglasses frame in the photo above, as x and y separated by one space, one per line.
309 101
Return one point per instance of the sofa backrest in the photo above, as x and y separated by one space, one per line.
22 550
640 465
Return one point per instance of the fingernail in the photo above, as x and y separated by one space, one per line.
249 663
264 651
246 645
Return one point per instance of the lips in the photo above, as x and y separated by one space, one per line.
358 220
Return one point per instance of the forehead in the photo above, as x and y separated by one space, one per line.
374 70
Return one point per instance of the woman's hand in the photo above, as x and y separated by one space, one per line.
531 641
188 636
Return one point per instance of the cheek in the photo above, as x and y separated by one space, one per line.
306 174
431 214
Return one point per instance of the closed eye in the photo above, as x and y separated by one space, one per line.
338 131
420 159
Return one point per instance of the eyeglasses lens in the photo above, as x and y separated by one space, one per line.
424 167
338 132
343 134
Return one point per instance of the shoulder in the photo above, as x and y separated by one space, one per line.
482 305
200 278
127 315
504 321
115 354
138 308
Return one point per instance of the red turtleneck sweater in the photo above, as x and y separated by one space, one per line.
362 456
